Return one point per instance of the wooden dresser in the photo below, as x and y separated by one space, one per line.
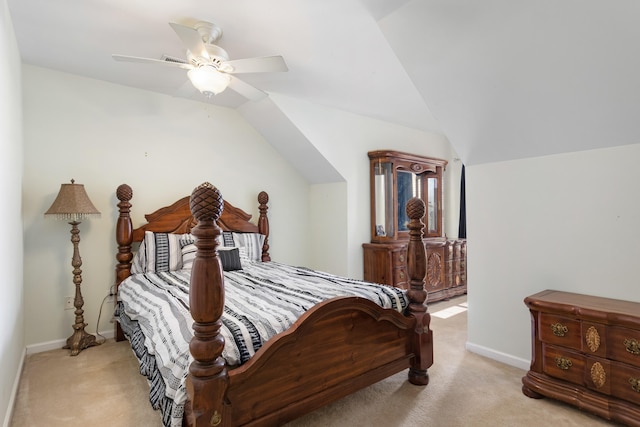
446 266
586 352
396 177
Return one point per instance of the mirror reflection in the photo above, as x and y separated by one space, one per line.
432 205
383 188
409 185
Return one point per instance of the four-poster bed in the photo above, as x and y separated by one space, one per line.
334 348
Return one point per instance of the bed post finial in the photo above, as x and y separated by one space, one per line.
207 380
417 266
124 193
124 237
263 224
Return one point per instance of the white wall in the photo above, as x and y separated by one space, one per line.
328 227
567 222
344 139
11 314
103 135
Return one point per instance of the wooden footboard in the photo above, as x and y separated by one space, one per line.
336 348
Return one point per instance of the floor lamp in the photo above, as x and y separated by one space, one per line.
72 204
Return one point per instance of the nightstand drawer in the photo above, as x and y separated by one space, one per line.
560 330
563 364
624 345
625 382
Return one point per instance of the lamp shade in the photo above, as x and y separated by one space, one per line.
208 80
72 203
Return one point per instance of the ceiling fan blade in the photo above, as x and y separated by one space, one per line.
170 62
246 90
186 90
262 64
191 39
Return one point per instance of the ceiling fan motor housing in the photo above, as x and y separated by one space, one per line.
217 56
209 31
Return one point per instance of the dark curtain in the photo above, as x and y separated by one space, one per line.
462 226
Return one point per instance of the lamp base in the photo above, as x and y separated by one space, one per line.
79 341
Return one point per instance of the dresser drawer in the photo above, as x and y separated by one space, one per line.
563 364
399 258
560 330
400 279
624 345
625 382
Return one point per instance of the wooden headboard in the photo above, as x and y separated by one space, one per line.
177 218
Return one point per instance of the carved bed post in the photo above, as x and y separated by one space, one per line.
263 224
417 266
124 237
207 380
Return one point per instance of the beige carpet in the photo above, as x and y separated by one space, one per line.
102 387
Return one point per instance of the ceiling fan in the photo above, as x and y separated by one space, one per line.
210 70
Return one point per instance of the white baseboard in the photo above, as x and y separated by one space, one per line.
56 344
507 359
14 391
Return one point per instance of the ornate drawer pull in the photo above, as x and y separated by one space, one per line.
635 384
593 339
402 275
563 363
559 329
632 345
401 258
216 419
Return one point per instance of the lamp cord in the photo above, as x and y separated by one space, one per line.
110 294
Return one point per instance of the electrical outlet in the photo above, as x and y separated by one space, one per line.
68 303
110 298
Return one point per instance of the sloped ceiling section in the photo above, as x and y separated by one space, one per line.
502 79
336 53
508 79
274 126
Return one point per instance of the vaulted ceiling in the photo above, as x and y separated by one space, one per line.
501 79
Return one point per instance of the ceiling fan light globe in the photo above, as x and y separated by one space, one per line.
208 80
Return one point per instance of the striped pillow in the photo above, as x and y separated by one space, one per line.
158 252
252 243
188 251
227 239
229 255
